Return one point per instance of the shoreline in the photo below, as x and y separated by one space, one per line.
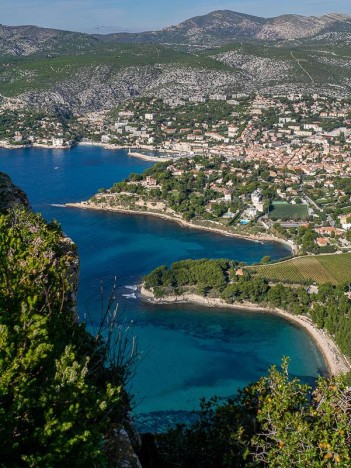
106 146
336 362
183 223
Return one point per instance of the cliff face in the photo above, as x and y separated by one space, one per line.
10 195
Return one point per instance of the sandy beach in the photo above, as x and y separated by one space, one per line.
85 205
336 362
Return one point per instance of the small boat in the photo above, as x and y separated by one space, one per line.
132 287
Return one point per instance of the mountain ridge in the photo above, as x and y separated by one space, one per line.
216 28
223 26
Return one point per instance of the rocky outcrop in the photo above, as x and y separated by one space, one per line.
96 88
10 195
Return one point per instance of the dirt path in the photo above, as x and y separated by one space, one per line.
303 69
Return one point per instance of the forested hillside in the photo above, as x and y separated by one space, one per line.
328 305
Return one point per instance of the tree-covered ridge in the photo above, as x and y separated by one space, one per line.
188 186
328 305
241 197
278 421
59 393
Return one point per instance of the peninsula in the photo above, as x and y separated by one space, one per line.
228 284
250 199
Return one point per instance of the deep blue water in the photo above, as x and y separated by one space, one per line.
187 351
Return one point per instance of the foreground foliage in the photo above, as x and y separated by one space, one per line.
274 422
59 394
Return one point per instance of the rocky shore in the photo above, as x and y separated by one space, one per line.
336 362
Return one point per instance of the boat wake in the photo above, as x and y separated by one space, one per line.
58 205
132 287
129 296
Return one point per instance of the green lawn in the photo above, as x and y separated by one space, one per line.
281 210
321 269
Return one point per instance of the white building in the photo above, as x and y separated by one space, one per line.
57 142
256 199
149 116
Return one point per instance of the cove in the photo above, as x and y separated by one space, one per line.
188 352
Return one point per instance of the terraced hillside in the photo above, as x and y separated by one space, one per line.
321 269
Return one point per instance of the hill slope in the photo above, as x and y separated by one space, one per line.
62 70
27 40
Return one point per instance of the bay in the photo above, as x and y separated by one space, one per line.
187 351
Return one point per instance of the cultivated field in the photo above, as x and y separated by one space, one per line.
321 269
288 211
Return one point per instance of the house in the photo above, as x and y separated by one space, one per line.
232 131
322 242
327 231
345 221
227 196
105 139
256 198
18 137
57 142
151 181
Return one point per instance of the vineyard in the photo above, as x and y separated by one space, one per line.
333 269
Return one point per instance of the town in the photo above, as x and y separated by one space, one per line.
305 133
252 165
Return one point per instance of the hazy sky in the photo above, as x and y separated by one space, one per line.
140 15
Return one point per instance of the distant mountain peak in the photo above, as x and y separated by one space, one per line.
216 28
224 26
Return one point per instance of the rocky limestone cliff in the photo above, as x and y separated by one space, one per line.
10 195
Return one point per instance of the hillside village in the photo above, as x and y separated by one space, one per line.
299 132
263 164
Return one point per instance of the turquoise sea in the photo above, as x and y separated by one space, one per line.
187 352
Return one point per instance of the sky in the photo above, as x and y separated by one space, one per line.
105 16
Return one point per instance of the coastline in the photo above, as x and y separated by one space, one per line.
336 362
251 237
9 146
135 154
